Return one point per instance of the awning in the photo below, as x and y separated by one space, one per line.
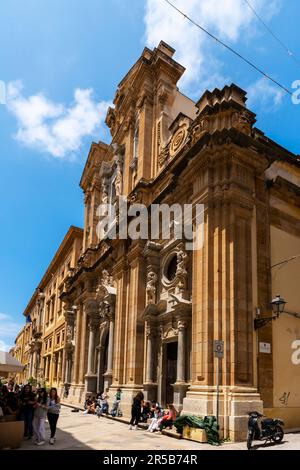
8 363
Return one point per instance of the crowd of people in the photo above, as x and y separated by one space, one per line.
141 411
99 405
33 405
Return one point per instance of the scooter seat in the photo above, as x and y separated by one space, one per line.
268 422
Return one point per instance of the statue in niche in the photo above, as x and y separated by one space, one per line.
181 271
151 287
107 279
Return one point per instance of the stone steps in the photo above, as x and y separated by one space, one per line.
125 419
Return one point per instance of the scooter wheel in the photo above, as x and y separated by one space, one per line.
278 434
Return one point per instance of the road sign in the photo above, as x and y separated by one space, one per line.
219 349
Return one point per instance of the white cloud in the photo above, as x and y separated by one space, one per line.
9 329
263 96
53 127
228 19
4 346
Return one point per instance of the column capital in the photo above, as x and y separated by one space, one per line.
182 324
150 330
93 322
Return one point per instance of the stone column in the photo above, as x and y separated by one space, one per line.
180 387
93 325
59 364
149 357
150 386
49 368
54 360
110 345
77 344
69 314
181 353
99 368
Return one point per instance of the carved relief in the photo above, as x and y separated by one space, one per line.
151 288
178 140
107 279
118 160
243 121
199 130
168 332
110 120
164 155
181 272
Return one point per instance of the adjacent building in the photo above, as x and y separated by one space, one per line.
40 344
145 314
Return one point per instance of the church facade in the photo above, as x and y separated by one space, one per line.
145 314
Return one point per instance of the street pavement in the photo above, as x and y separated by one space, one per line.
77 431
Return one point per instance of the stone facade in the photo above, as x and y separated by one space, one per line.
144 314
40 344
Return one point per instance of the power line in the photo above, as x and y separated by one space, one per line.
286 49
251 64
285 261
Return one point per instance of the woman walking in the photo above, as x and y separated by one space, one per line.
40 412
136 410
53 412
28 400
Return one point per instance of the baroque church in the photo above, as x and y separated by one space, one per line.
145 314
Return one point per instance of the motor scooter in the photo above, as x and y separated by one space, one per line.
267 429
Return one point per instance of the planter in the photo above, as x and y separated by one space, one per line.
11 434
194 434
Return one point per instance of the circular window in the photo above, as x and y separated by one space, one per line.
171 268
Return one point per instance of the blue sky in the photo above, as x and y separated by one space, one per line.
61 61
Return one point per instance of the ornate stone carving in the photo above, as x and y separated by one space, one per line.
182 324
151 288
107 279
200 129
163 156
105 173
150 330
94 322
118 160
169 332
111 121
178 140
243 121
69 333
136 197
181 271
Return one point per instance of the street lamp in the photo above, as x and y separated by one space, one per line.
277 304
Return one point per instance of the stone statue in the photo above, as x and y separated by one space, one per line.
181 271
151 287
107 279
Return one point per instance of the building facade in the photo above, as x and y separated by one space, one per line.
40 344
144 314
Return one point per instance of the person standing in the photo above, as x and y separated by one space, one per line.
136 410
39 416
28 400
53 412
